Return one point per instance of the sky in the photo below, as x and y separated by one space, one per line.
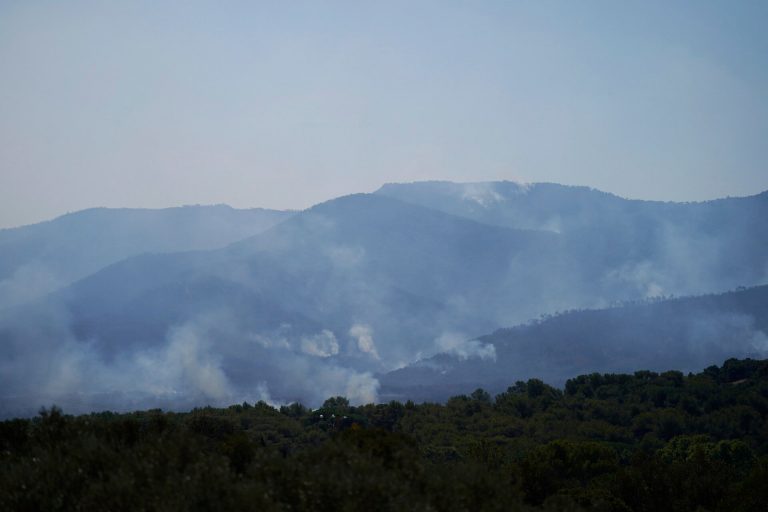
286 104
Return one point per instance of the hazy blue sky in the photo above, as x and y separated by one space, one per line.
284 104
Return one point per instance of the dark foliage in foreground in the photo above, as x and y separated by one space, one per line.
648 442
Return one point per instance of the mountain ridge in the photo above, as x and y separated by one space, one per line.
42 257
330 299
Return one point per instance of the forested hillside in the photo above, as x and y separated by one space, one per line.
345 292
685 333
612 442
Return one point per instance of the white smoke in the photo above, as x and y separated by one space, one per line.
483 194
646 280
322 344
193 364
361 388
726 334
207 360
263 395
345 257
363 334
28 282
457 344
759 342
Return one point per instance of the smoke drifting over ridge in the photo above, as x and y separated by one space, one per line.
463 348
332 298
686 334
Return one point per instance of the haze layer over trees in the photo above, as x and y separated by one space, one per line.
611 442
373 296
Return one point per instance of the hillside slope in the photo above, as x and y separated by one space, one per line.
39 258
685 334
355 287
304 310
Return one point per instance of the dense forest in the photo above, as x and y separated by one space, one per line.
645 441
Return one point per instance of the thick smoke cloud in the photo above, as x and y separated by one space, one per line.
323 344
361 285
207 360
459 345
190 362
363 334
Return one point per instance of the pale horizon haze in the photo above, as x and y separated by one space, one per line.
287 104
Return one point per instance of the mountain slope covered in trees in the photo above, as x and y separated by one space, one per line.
686 333
334 296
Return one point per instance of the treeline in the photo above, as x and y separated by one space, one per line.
646 442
